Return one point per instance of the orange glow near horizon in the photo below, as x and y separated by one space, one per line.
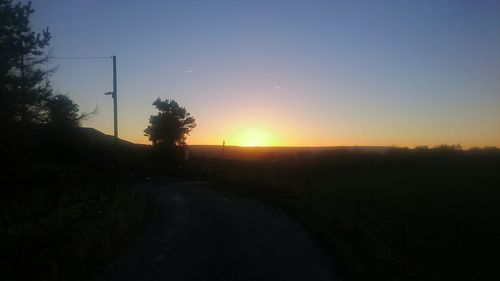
262 138
259 136
251 123
253 137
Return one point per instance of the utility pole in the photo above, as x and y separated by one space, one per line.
115 103
113 94
115 113
115 124
115 106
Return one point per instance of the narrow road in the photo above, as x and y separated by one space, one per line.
201 234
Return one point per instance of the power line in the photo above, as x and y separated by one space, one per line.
80 58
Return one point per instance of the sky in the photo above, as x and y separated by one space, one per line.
284 72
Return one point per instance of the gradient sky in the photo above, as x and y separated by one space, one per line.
287 72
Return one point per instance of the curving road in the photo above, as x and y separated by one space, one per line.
201 234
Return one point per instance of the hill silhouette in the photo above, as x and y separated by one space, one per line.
96 137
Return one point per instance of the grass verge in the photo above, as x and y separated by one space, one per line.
73 241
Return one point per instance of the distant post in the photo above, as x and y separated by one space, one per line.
223 147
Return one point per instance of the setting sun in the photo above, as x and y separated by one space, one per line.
253 137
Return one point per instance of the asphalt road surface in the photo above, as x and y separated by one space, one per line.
201 234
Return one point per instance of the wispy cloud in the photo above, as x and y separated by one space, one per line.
277 87
188 71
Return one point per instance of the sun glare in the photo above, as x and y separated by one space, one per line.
253 137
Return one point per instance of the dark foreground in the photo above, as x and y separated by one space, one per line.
201 234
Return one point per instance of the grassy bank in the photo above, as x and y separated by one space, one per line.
404 215
67 223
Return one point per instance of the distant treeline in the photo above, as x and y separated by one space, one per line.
288 153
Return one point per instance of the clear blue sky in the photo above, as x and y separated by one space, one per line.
288 72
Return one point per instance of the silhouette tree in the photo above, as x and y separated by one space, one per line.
24 84
62 112
27 100
172 124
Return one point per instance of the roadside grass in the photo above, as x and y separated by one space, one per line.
386 217
69 227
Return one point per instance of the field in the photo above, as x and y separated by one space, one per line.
384 214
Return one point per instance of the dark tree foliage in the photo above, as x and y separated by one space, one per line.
29 109
24 85
62 112
171 125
